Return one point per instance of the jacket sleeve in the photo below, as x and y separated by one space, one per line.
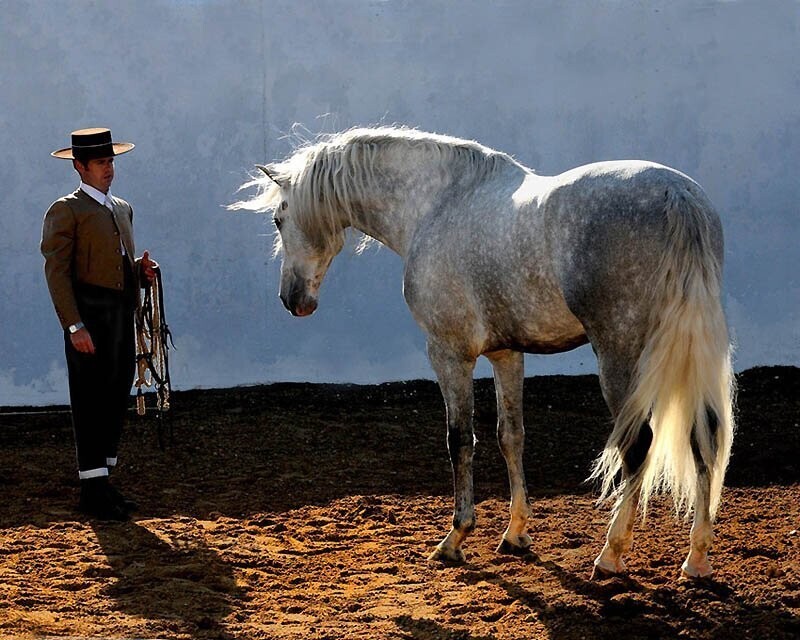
58 247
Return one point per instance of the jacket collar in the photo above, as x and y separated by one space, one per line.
96 195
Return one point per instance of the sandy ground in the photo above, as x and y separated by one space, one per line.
308 511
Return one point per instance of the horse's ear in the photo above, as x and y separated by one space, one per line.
270 173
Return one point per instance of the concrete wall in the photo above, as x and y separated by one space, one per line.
207 89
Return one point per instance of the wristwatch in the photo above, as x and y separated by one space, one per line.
74 328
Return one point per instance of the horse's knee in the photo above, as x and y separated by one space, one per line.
459 442
453 441
635 455
510 437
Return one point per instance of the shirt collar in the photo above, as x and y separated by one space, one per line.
95 194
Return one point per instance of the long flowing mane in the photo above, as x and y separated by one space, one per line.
327 177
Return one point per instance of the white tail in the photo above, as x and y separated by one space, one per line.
683 379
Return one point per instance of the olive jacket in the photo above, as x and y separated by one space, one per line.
81 244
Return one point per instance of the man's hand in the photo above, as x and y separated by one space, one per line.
82 341
148 267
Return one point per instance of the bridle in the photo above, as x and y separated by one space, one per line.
152 350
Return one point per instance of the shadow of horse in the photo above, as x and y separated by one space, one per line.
624 607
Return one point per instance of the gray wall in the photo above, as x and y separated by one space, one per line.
207 89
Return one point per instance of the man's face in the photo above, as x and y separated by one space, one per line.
97 173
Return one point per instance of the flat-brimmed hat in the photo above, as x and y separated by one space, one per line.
92 143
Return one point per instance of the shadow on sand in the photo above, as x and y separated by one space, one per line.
167 580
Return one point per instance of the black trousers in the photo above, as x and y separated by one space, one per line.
100 383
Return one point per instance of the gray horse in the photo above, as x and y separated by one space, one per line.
499 262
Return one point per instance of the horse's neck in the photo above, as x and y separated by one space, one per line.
391 226
405 190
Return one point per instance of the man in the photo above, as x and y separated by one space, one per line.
94 279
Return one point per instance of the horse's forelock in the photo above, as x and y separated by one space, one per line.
267 196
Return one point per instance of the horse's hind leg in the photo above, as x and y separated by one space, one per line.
615 375
696 564
508 381
619 539
455 380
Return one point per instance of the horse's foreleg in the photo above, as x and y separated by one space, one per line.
455 380
508 380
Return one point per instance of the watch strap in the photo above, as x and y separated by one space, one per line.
74 328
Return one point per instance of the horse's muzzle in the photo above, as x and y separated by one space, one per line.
299 306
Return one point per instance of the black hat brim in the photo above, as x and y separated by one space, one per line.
118 147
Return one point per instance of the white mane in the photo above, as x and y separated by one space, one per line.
327 178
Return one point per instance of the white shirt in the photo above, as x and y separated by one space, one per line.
101 198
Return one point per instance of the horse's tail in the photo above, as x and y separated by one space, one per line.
683 382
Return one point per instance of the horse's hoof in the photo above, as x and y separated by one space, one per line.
509 548
447 556
603 571
600 573
698 571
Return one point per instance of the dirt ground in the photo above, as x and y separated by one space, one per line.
308 511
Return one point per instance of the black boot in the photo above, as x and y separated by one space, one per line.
97 501
126 504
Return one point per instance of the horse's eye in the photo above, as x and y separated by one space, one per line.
284 204
278 223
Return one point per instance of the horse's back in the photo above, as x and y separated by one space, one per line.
616 193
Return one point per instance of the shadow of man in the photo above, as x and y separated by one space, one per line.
171 577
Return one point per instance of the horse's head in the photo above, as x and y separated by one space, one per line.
306 249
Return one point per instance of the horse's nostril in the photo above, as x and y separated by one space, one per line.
305 308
